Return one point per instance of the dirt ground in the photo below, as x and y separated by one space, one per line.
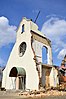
9 95
15 95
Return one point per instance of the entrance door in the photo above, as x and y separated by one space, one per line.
22 81
20 75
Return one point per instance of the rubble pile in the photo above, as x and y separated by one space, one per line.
42 93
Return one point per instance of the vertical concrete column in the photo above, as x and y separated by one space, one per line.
49 55
17 83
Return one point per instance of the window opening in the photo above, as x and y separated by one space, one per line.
44 55
22 28
22 48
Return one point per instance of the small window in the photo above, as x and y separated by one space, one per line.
22 28
22 48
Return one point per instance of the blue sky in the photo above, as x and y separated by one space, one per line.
51 21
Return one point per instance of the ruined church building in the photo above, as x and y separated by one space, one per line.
24 69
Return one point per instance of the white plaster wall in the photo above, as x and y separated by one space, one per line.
54 80
37 46
51 78
49 55
26 61
38 51
4 78
49 61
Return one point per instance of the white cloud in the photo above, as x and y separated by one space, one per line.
62 53
55 29
7 32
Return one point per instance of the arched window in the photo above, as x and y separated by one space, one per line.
22 48
44 55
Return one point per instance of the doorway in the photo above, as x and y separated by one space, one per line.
22 82
20 77
47 78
